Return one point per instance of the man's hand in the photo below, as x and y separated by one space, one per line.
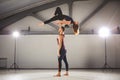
58 54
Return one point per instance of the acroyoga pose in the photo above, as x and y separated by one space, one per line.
63 20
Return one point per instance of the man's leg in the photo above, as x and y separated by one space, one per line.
59 67
66 65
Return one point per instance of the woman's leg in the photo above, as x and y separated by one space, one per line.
58 11
58 16
51 19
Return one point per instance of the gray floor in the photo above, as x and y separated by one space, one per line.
81 74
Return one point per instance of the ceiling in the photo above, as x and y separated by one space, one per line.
91 15
9 7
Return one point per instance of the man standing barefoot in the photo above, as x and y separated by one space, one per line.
61 52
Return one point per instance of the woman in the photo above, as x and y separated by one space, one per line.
63 20
61 52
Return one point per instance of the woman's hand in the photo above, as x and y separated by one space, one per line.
41 24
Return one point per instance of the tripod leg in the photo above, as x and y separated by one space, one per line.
12 66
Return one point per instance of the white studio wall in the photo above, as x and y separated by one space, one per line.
7 48
40 51
113 49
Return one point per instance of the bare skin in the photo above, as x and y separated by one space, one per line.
58 22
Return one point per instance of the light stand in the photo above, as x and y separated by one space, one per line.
105 32
105 63
15 35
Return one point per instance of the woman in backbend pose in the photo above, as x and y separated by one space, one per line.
63 20
61 52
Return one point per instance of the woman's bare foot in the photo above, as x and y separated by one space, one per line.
41 24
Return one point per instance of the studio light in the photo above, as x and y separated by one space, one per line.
104 32
16 34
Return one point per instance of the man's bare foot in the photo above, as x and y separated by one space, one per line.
57 75
66 74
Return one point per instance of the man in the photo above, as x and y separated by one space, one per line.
61 52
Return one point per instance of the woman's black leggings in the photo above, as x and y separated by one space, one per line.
58 16
64 58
